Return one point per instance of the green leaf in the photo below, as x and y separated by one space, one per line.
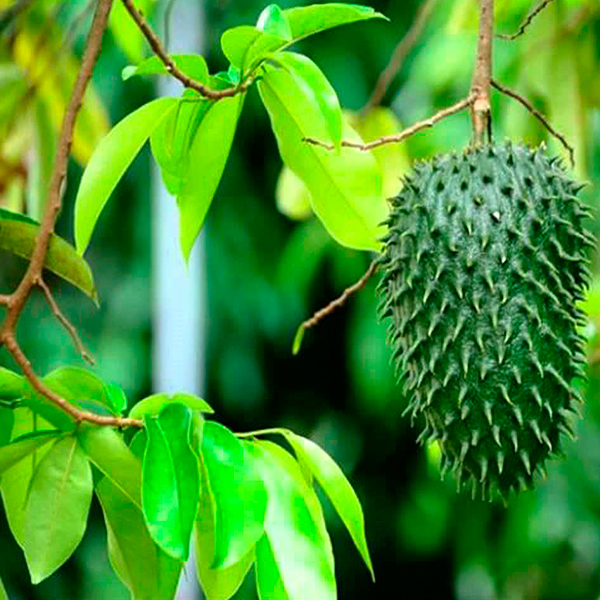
7 420
3 594
17 450
12 386
57 509
140 564
207 158
107 450
152 405
116 398
18 234
239 495
336 486
308 20
217 583
274 21
109 162
294 526
193 65
345 186
126 33
268 579
246 46
292 196
170 480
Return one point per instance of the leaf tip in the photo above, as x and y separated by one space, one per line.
128 72
298 339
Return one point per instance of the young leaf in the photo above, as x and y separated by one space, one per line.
140 564
107 450
274 21
217 583
116 397
299 543
207 158
239 495
152 405
246 46
193 65
308 20
17 450
110 160
345 186
170 480
336 486
57 509
18 235
268 579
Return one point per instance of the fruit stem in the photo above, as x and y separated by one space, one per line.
482 75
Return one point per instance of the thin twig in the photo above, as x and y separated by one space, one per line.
55 309
398 137
525 24
399 55
170 65
538 115
325 312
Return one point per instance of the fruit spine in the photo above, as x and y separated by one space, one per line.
483 264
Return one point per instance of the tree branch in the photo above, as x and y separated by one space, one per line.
170 65
525 24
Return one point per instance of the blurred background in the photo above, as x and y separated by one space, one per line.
258 273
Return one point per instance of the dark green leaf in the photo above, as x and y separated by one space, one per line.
193 65
273 20
17 450
152 405
207 158
336 486
294 527
18 234
268 580
57 508
170 480
239 494
109 162
110 454
7 419
142 566
345 186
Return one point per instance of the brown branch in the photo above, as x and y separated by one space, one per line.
170 65
399 55
525 24
538 115
398 137
332 306
55 309
4 300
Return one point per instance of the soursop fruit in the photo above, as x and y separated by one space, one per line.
483 264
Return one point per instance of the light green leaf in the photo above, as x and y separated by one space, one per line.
292 196
345 186
268 579
18 234
239 495
3 594
152 405
17 450
207 158
170 480
57 509
141 565
193 65
273 20
217 583
294 527
12 386
308 20
126 33
333 481
116 398
109 162
107 450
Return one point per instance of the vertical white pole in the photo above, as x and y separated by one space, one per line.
179 292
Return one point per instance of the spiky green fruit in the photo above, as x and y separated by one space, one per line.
483 265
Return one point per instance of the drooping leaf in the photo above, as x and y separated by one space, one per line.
152 405
170 480
193 65
239 495
294 527
345 186
274 21
18 235
333 481
111 159
217 583
141 565
17 450
207 158
268 579
57 508
107 450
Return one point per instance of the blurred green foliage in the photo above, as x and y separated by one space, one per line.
265 274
